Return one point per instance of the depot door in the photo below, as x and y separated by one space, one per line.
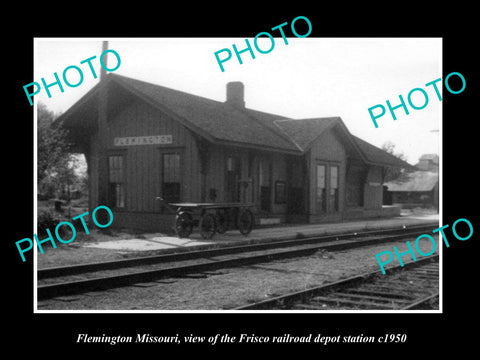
296 187
232 177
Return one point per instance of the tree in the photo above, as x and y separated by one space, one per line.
53 158
392 173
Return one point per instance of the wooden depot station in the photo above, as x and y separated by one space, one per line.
143 141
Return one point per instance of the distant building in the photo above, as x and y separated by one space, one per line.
143 140
428 162
416 189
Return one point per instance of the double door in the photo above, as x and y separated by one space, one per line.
327 184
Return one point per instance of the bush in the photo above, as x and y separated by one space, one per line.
47 219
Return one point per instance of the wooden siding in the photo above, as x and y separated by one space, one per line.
93 164
143 163
355 183
279 173
327 150
214 179
373 191
204 171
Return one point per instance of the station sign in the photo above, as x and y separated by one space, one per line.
143 140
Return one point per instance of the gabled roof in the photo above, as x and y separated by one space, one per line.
414 181
305 131
218 120
378 156
223 123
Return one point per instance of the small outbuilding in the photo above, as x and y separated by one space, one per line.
428 162
143 140
414 189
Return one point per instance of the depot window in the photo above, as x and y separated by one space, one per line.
265 175
320 196
327 188
333 188
171 177
116 181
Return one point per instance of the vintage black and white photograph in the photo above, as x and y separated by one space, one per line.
269 174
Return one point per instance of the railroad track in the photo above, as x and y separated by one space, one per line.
68 280
414 286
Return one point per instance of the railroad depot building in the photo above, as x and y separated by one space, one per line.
143 141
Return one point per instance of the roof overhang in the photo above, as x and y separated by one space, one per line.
81 121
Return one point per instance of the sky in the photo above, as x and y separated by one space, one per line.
306 78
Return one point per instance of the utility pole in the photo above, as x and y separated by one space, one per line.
103 72
102 158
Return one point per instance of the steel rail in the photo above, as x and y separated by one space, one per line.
419 303
60 271
107 282
303 295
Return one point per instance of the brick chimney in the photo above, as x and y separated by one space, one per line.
235 94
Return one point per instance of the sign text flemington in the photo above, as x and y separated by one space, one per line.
143 140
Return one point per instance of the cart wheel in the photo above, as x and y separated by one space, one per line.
183 224
245 221
207 226
221 220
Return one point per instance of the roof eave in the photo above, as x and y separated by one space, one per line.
67 115
352 140
256 147
165 110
